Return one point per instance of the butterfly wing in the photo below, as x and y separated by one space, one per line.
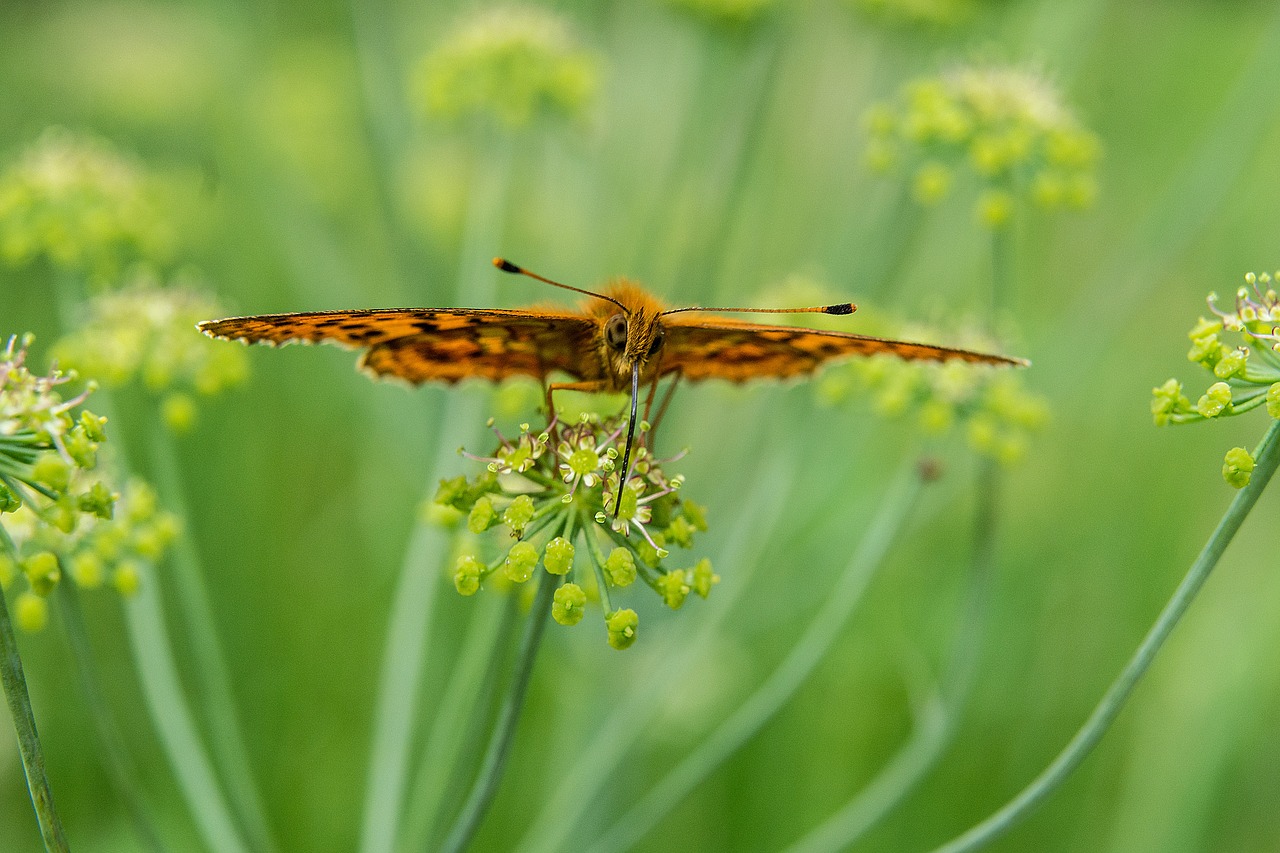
710 348
422 344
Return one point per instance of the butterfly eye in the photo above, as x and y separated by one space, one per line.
615 332
658 340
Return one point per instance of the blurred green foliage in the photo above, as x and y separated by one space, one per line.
285 146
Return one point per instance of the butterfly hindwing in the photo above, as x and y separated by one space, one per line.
710 348
420 344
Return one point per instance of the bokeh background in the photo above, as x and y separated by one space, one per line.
296 162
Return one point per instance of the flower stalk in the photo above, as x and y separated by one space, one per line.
1109 707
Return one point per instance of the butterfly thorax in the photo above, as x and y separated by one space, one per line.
623 340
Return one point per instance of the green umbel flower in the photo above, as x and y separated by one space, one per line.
145 335
511 65
80 204
1240 350
553 491
59 513
1005 131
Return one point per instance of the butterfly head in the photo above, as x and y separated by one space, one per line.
630 341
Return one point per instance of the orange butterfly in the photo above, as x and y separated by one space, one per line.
621 339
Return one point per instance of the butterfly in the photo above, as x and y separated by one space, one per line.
619 340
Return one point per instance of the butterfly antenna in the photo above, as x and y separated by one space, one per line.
506 266
838 309
631 434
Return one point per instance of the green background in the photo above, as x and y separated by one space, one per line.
714 166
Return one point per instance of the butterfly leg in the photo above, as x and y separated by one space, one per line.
591 387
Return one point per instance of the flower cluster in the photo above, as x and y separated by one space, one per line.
554 492
56 512
1245 367
726 13
145 333
991 405
927 13
511 65
1006 128
80 204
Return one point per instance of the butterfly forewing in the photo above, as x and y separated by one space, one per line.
710 348
421 344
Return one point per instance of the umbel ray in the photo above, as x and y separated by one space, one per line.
617 341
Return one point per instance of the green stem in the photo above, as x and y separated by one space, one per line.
445 740
119 766
1268 457
752 714
174 722
937 716
495 759
217 701
24 722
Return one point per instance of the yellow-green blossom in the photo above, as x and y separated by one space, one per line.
1006 128
511 65
145 334
80 204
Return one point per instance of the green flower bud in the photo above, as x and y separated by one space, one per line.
704 578
51 470
558 558
622 625
674 588
696 514
1237 467
1233 363
620 567
88 570
1205 329
521 560
81 449
8 571
1215 401
995 209
467 574
568 604
1273 408
99 501
127 578
30 612
1207 350
439 515
453 493
482 517
42 572
1168 400
518 515
178 412
931 184
680 531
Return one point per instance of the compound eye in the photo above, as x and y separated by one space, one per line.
657 342
615 332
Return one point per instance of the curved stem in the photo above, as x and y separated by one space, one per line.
24 722
119 766
495 759
769 697
1268 457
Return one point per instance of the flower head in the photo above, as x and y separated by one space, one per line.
80 204
145 334
59 514
1006 129
991 407
1240 349
511 65
553 491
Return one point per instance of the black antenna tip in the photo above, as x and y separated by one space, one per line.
842 308
505 265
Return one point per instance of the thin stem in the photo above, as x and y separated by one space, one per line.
119 766
937 716
174 722
439 757
752 714
1268 457
228 748
495 759
24 722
